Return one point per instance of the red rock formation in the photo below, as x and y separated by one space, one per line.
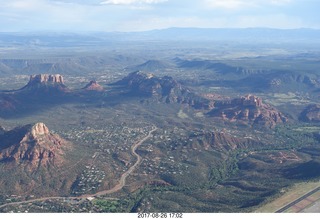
32 146
249 109
45 82
162 89
93 86
44 78
251 100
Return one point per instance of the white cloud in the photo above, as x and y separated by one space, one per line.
129 2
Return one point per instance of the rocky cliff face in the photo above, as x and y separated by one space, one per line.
44 78
163 89
31 146
311 113
250 110
249 100
37 93
93 86
45 82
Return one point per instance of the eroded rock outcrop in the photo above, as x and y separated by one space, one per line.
248 109
93 86
163 89
46 83
45 78
32 146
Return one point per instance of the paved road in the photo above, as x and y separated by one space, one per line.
119 186
297 200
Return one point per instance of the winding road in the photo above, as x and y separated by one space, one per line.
124 176
119 186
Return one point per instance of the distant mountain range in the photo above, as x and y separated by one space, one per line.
245 35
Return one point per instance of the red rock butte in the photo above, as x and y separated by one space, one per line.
33 145
248 109
46 82
251 100
39 129
94 86
45 78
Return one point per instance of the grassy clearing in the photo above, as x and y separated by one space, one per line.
290 195
277 99
310 129
214 88
199 115
182 115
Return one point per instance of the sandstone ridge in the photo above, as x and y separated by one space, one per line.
249 110
45 78
32 146
163 89
46 82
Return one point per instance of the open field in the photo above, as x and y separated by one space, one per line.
277 99
182 115
310 129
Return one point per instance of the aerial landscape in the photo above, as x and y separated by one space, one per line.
156 116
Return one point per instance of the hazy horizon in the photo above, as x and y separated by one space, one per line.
145 15
151 30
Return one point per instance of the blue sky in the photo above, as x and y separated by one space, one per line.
140 15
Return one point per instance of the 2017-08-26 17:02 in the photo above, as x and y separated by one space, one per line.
160 215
